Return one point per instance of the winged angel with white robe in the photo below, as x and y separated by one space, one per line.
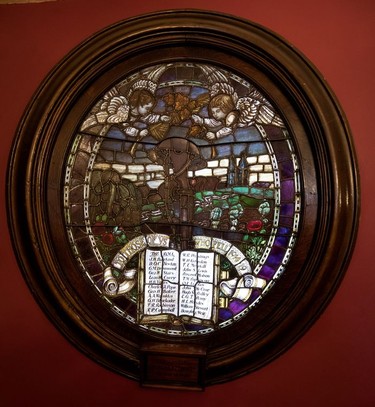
227 110
124 111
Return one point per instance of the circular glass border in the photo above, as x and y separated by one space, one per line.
261 204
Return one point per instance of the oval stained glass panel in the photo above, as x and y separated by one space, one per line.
182 198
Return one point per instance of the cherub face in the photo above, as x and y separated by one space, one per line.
145 109
217 113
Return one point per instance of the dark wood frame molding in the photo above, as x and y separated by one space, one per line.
329 177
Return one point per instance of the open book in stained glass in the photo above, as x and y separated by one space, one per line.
181 284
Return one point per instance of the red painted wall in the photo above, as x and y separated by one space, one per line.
333 364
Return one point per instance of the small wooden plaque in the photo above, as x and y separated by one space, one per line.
173 366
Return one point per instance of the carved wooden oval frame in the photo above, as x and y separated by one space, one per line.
329 181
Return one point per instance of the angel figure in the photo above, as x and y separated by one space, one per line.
227 111
142 101
131 111
223 116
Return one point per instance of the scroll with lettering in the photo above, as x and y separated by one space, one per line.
176 285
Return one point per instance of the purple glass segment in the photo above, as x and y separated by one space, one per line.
276 256
237 306
287 191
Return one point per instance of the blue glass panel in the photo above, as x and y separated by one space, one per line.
256 149
116 133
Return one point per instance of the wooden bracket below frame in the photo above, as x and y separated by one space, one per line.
173 366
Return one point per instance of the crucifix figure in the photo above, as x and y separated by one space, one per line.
178 156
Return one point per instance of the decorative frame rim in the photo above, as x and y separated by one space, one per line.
334 197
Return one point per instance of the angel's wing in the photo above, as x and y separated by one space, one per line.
113 108
256 109
213 75
118 109
218 82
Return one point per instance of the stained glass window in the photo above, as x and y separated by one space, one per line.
182 197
